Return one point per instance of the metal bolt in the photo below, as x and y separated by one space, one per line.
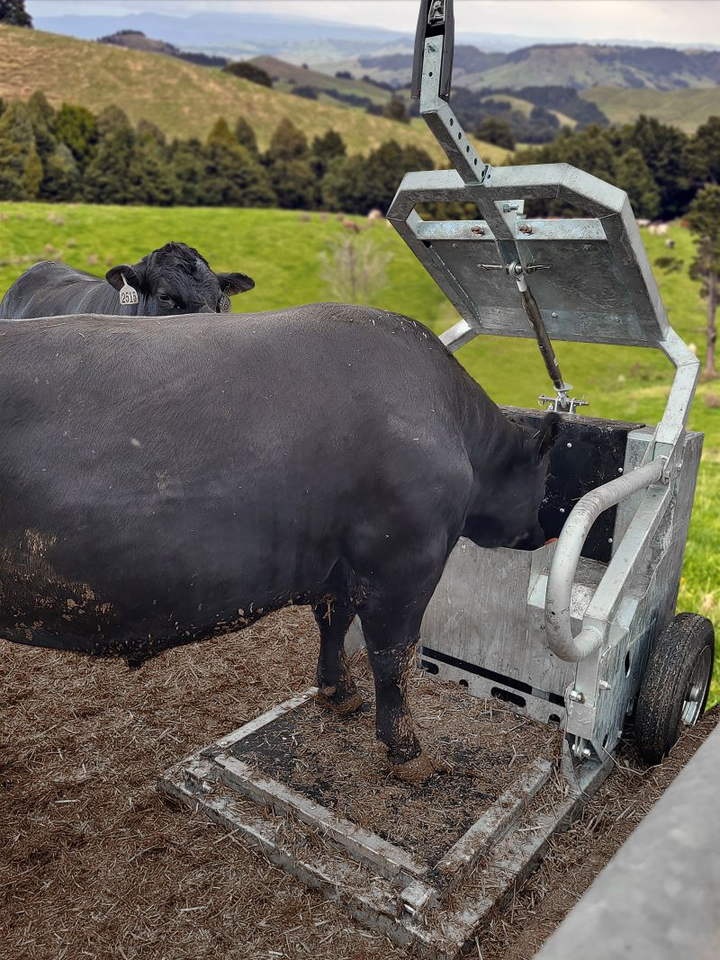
604 685
576 696
562 509
587 752
431 47
509 207
609 539
478 230
569 444
620 469
525 228
554 315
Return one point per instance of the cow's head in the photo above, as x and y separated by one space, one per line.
175 279
505 514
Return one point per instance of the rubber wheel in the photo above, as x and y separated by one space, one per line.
674 689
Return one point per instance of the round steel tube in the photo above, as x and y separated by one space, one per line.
567 556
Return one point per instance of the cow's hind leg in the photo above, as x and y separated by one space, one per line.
336 688
392 649
391 616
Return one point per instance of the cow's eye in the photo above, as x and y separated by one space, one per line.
166 300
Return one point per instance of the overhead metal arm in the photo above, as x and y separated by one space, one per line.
432 75
436 19
431 82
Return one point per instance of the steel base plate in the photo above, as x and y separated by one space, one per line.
436 906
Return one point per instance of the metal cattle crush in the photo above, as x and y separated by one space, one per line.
580 634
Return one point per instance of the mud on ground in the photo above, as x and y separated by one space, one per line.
95 862
333 761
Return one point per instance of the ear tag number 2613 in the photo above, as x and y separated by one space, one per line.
128 294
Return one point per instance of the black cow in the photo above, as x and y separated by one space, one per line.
172 280
164 482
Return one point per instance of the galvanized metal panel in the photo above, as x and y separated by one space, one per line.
481 614
596 284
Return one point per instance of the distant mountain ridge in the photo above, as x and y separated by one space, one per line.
136 40
568 65
237 35
297 39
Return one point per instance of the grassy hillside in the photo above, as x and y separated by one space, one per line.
181 98
281 250
567 65
687 109
525 107
576 65
288 75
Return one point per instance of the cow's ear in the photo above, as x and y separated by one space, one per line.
547 435
232 283
115 275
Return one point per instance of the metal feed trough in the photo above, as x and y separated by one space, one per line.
579 634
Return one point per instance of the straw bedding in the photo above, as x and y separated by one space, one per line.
95 862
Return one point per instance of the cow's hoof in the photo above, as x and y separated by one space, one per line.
341 707
421 768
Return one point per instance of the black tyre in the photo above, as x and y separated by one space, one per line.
674 689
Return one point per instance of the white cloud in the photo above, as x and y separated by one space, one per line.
663 21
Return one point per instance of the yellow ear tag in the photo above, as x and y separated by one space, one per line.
128 294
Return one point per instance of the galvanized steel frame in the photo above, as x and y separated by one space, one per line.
499 238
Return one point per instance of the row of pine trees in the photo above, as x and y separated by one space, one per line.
69 154
659 166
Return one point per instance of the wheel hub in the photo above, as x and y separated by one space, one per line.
699 681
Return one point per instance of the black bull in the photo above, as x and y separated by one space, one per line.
164 481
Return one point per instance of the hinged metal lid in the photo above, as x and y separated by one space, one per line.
591 277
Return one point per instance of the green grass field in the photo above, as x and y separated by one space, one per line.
281 251
687 109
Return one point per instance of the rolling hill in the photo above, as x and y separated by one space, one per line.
687 109
182 99
288 75
578 65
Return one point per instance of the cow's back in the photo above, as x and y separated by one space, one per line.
159 472
50 289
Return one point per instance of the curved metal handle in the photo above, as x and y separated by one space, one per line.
567 556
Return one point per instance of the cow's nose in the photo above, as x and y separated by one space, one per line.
531 540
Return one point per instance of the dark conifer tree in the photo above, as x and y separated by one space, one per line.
13 13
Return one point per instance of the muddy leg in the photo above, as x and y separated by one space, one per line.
392 651
336 687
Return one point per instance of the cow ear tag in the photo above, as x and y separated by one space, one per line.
225 303
128 294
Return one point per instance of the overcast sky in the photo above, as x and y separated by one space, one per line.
665 21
